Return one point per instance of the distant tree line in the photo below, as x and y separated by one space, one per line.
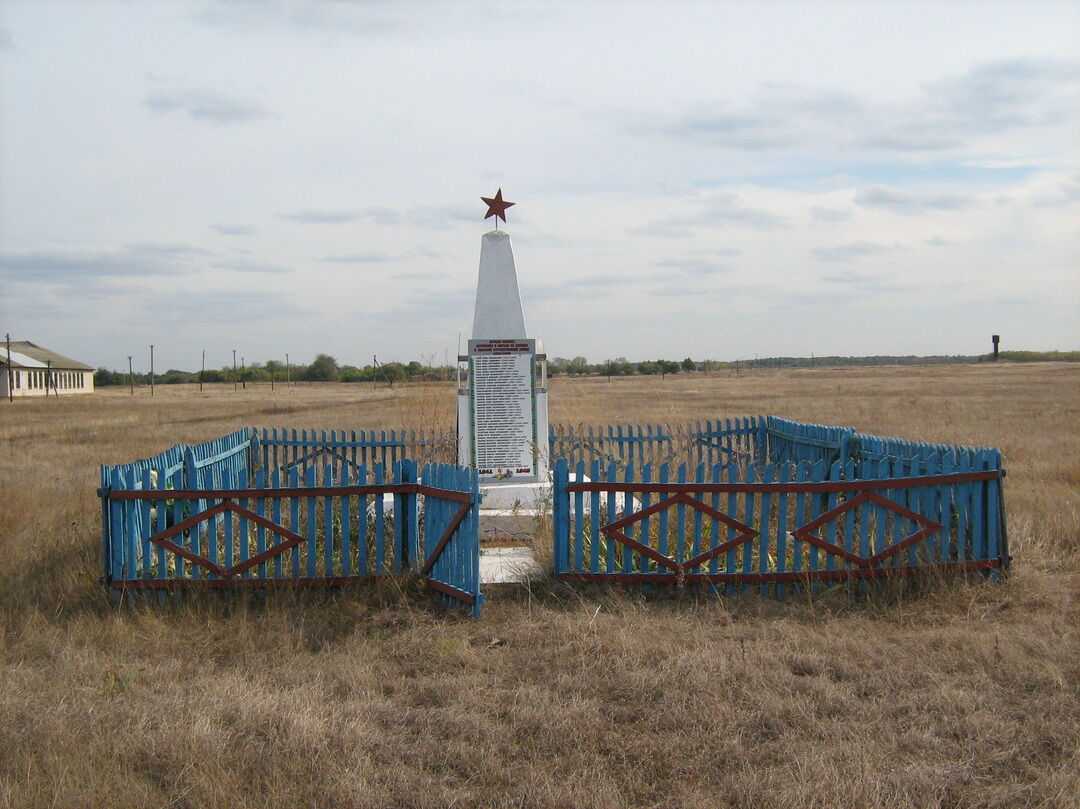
324 368
620 366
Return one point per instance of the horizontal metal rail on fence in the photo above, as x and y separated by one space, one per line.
262 494
791 576
276 442
825 443
824 486
737 439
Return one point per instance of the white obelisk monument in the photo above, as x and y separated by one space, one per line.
502 410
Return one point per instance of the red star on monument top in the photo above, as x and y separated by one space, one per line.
497 207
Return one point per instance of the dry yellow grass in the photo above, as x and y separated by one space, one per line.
964 696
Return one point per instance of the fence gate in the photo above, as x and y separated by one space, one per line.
449 557
322 527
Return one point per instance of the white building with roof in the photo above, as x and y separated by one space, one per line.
37 371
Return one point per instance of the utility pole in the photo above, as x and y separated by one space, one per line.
151 369
202 369
374 372
131 377
288 372
49 379
243 372
10 373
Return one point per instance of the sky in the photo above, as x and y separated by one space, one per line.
719 181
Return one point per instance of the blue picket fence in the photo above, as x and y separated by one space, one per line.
727 440
778 527
734 504
710 442
285 449
799 442
196 517
752 439
181 466
186 466
794 442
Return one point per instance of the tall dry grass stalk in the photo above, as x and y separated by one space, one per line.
964 695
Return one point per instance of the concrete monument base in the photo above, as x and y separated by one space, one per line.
526 498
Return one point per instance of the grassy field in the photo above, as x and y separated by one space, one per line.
962 696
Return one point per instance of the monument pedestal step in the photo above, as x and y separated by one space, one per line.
508 499
508 565
504 529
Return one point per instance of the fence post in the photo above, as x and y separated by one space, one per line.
106 535
1003 542
253 451
403 473
761 448
191 470
412 537
846 439
561 516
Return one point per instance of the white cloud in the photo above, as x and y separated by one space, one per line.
912 203
849 251
823 214
204 104
249 265
939 241
233 230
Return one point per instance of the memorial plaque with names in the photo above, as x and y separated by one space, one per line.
502 381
